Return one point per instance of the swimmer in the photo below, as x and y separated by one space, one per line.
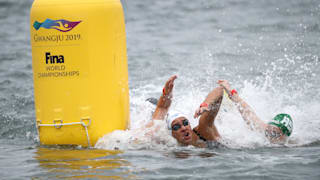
205 134
277 131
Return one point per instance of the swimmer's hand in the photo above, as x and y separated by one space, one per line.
167 90
225 84
199 111
165 99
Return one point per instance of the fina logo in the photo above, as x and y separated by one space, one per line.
60 25
52 59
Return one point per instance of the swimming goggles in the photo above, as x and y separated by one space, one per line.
176 127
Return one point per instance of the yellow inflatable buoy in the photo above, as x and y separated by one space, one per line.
80 70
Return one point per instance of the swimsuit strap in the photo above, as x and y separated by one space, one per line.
210 144
202 138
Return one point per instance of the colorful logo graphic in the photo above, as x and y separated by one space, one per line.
60 25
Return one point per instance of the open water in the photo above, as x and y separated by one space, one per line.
268 49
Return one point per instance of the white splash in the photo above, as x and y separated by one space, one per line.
155 137
277 91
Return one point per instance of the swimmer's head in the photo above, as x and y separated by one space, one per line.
283 122
180 127
171 116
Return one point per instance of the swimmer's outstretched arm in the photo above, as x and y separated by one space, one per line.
247 113
213 100
208 112
164 100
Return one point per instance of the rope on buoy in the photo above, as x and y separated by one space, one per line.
58 123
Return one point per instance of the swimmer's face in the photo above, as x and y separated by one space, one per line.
275 135
181 130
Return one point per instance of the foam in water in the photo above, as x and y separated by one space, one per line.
279 90
154 137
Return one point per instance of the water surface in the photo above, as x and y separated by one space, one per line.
268 49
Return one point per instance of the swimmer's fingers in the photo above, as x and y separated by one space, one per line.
171 81
200 110
197 113
225 84
169 84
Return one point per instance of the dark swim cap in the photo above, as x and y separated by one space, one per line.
284 122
